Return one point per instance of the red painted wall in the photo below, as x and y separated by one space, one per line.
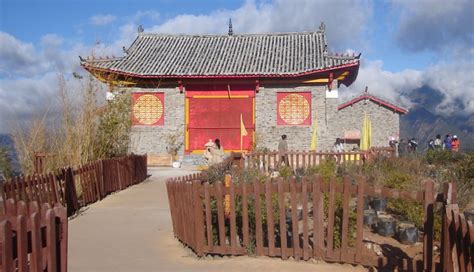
219 116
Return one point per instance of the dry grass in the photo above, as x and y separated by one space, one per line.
83 133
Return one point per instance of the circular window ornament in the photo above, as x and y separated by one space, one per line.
148 109
294 109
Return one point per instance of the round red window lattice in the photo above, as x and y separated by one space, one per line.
294 109
148 109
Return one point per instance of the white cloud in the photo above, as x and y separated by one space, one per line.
18 58
392 86
457 87
153 15
456 82
345 20
437 25
102 19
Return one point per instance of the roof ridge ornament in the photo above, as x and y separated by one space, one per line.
231 32
140 29
322 27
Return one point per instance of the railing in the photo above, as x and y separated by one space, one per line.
292 220
33 237
75 187
271 160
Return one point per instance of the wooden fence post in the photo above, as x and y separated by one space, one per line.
444 258
72 204
428 226
199 219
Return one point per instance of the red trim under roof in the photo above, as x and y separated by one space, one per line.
374 99
352 64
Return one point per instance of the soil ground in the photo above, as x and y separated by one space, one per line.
132 231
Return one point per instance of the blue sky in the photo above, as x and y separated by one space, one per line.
404 44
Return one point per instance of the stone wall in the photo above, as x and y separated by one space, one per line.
330 122
268 133
385 122
152 139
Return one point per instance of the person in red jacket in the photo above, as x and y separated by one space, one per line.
455 144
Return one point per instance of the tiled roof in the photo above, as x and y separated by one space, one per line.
374 99
281 54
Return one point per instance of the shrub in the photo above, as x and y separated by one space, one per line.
438 156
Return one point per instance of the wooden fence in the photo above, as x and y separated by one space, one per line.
280 227
304 159
75 187
33 237
457 242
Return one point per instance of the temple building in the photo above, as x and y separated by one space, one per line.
200 87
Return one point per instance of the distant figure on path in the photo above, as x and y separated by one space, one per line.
455 144
438 144
282 150
447 142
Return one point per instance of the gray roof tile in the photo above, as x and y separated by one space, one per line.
205 55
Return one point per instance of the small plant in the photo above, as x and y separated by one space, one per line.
285 172
173 144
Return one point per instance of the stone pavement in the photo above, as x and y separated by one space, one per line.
132 231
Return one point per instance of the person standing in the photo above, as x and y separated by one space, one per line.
283 150
431 145
412 145
447 142
402 147
438 144
455 144
338 146
220 150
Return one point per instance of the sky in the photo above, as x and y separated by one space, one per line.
405 44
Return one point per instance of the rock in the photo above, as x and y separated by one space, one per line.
378 204
407 233
386 225
370 218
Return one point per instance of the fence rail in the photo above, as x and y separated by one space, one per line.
75 187
294 219
33 237
302 159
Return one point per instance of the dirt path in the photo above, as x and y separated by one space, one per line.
132 231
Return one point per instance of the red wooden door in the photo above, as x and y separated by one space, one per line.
214 112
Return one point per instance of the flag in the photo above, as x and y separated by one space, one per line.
243 131
314 136
366 137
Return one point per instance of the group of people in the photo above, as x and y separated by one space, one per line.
449 143
411 145
402 147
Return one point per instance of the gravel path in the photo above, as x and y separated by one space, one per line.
132 231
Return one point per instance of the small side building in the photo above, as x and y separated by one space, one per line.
384 116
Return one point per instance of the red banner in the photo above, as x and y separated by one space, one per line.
148 109
294 108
